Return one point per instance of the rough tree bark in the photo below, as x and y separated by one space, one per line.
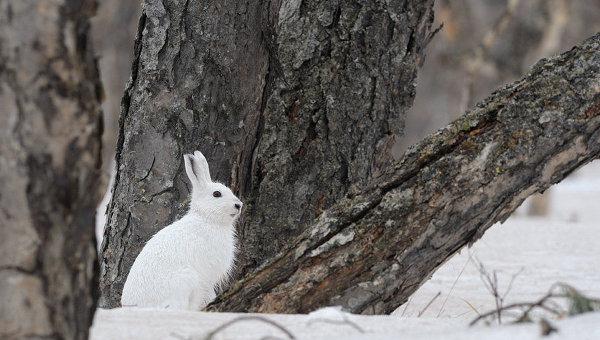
293 102
50 130
372 249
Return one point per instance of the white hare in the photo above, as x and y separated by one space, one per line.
181 265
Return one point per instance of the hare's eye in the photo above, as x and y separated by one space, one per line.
216 194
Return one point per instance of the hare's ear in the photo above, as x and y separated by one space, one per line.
196 168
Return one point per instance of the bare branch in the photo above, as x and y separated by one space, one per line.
546 303
227 324
429 304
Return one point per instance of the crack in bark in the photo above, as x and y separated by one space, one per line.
149 169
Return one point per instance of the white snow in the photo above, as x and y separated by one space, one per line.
560 247
125 323
101 210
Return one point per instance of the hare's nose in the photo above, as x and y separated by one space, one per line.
238 206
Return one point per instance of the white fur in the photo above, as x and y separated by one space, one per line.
181 265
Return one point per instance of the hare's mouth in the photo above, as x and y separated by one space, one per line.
233 215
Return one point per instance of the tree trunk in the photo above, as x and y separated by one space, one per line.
375 247
293 102
50 130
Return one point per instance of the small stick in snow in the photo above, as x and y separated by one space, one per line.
470 305
546 327
546 303
405 307
453 285
429 304
491 283
212 334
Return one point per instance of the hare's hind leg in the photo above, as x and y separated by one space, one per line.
179 291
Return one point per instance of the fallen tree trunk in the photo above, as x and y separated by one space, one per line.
375 247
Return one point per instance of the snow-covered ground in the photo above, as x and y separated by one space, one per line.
148 324
562 246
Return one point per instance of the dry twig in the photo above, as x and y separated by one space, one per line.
212 334
578 304
491 283
454 285
429 304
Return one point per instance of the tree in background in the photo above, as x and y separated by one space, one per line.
485 44
113 32
50 142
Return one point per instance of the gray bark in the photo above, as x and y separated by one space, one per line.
293 103
50 131
375 247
